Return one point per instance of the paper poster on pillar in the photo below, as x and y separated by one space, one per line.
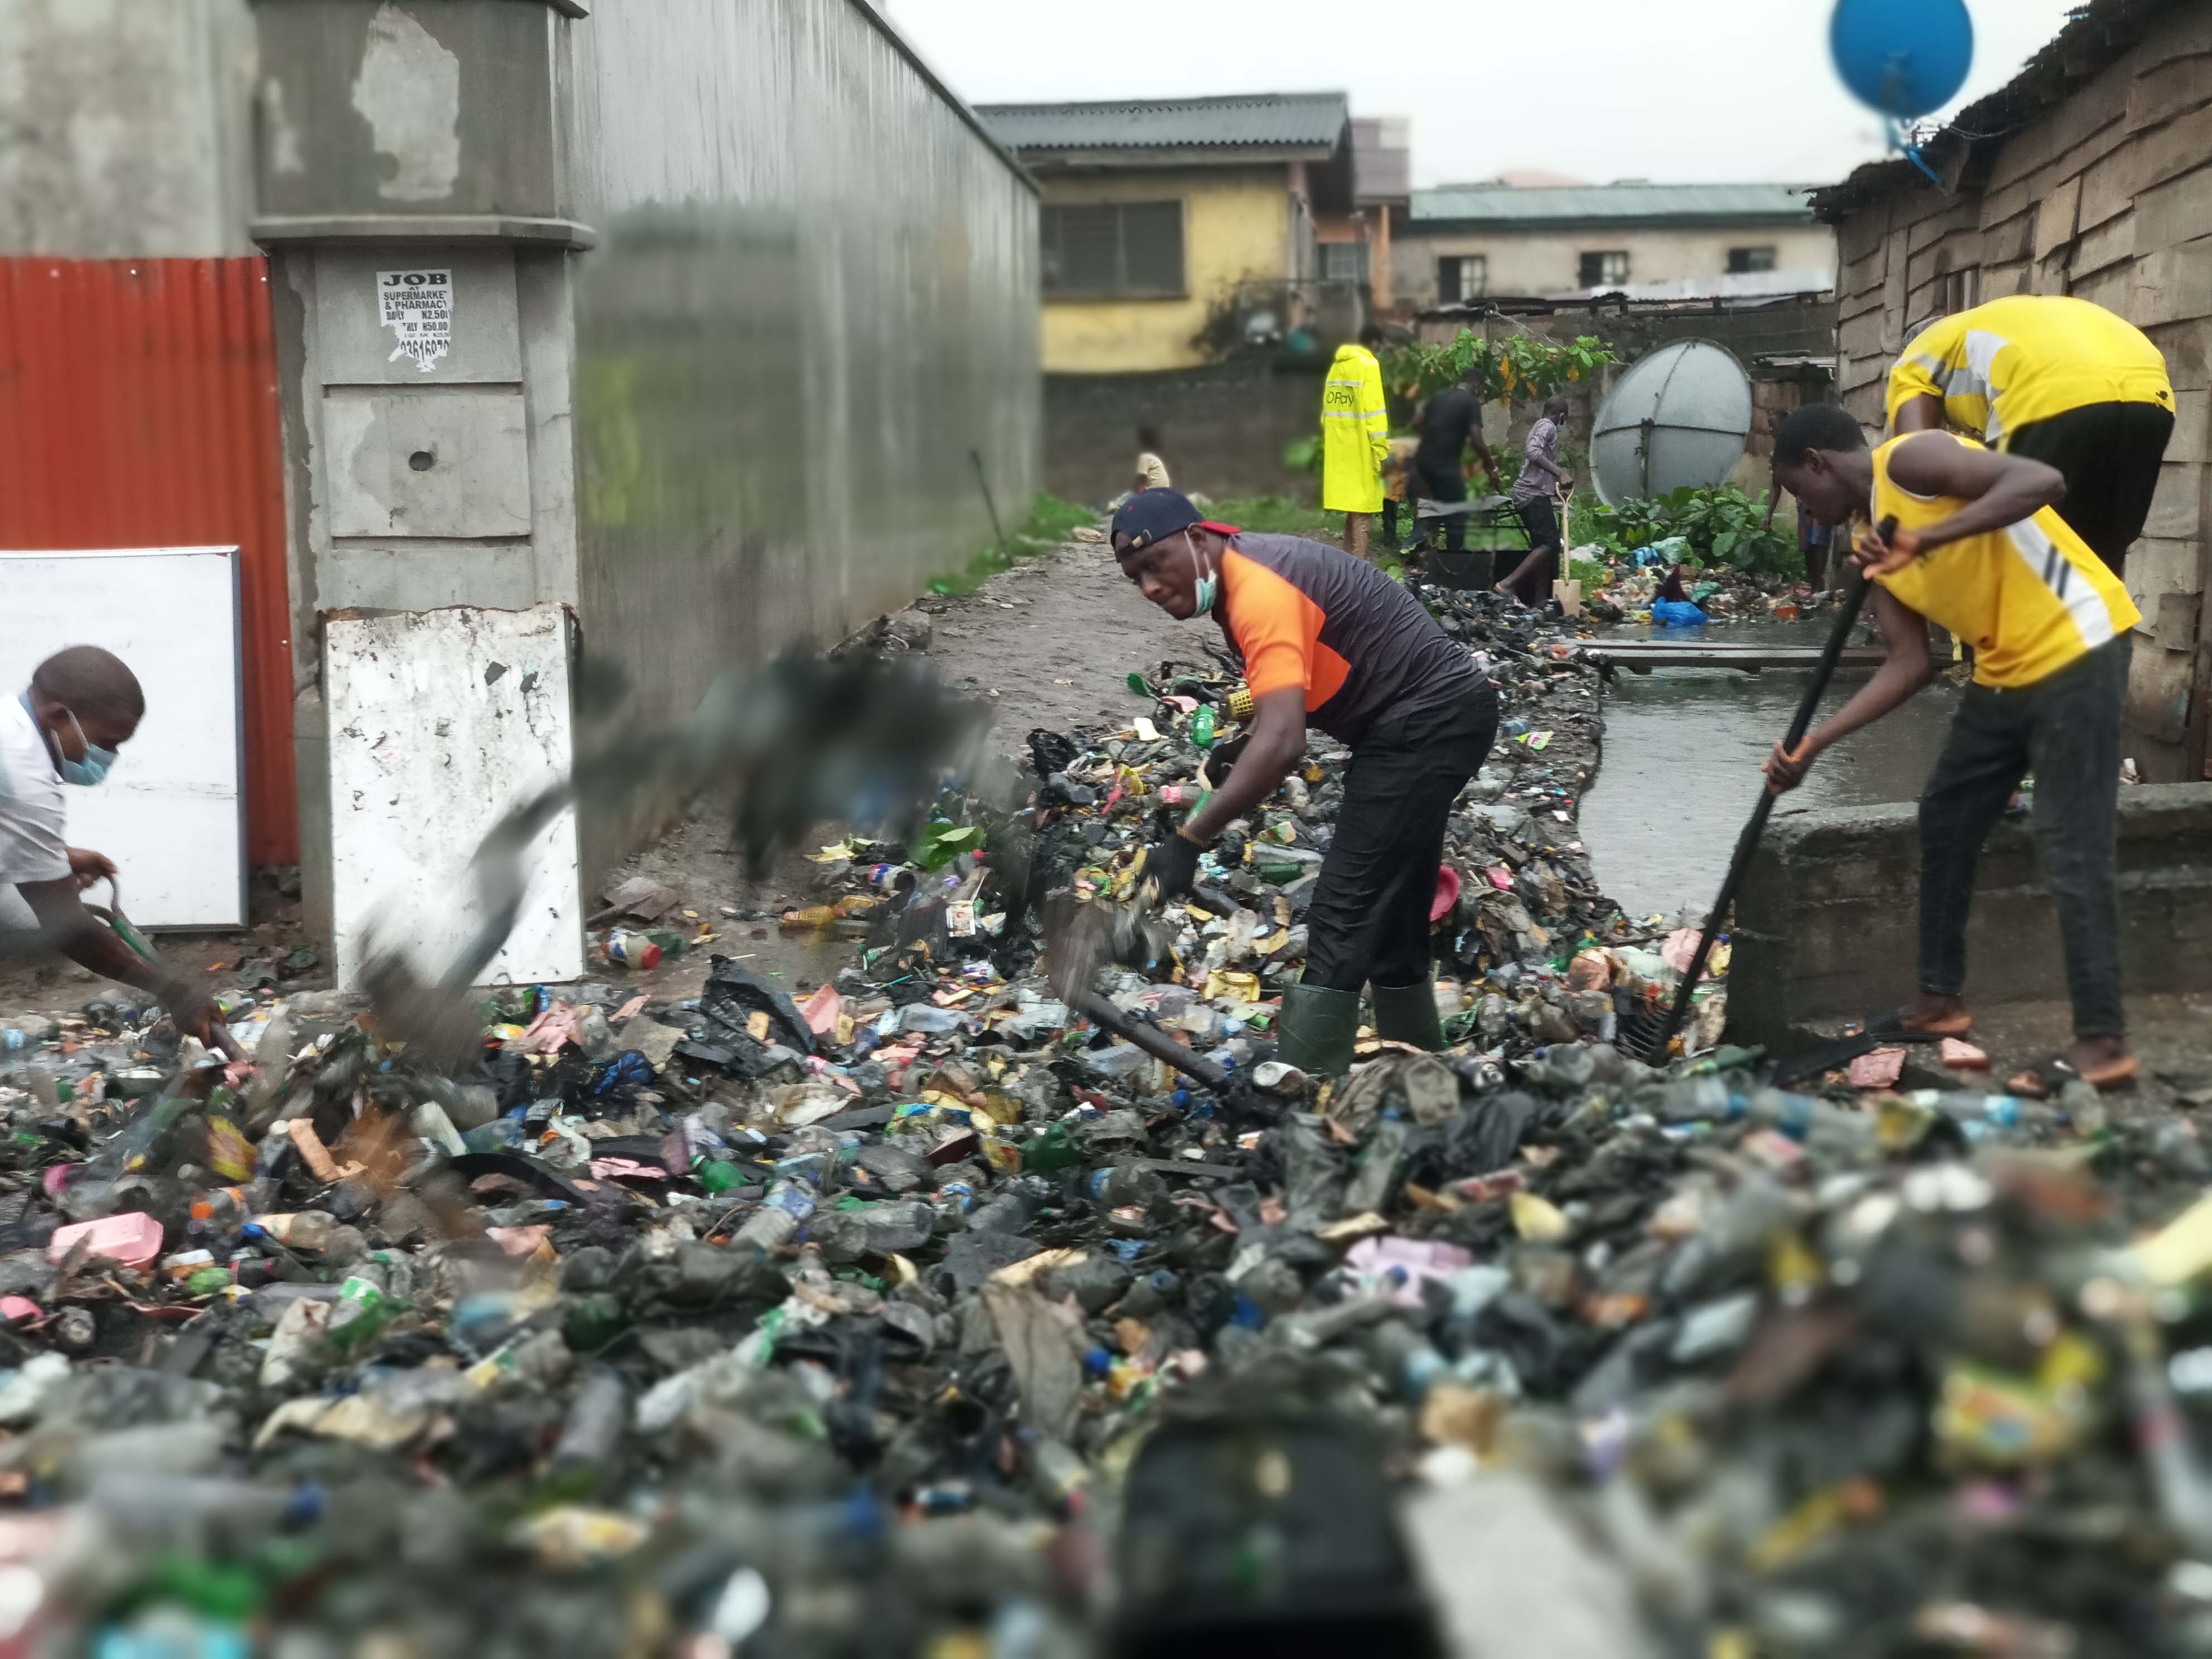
417 307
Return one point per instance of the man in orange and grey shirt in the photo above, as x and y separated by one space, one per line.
1327 640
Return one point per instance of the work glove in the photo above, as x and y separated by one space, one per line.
1173 863
1222 758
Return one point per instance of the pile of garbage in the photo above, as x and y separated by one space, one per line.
871 1322
1716 593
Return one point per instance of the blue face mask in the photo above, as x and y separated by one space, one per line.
93 768
1208 587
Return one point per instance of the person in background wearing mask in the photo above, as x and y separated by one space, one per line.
82 705
1327 641
1535 497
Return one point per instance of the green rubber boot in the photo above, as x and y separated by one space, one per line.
1316 1029
1407 1013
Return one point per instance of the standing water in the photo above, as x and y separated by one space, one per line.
1681 768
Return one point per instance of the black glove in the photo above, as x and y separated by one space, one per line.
1222 758
1173 863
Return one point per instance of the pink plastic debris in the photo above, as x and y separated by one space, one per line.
132 1239
821 1010
1878 1069
1406 1264
518 1241
12 1308
1964 1056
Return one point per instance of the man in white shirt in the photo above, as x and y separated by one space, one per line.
81 706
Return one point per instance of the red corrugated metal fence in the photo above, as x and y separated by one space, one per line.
138 408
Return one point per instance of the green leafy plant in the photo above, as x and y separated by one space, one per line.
1517 366
1049 523
1303 455
941 841
1723 527
1274 515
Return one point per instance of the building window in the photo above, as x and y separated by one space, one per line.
1463 277
1960 290
1604 270
1743 260
1344 262
1130 249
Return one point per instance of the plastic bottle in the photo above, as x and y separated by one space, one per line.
220 1211
299 1230
1203 726
630 950
1406 1358
361 1311
788 1202
1121 1184
1050 1152
1150 1294
593 1428
1012 1209
428 1120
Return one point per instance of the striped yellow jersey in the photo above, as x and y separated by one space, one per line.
2031 599
2014 361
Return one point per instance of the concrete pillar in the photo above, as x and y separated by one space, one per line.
407 189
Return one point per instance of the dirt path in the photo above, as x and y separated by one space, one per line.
1049 643
1052 641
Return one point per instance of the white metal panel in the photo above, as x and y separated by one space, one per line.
173 813
439 721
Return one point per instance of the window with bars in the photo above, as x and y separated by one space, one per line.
1604 269
1463 277
1124 249
1344 262
1743 260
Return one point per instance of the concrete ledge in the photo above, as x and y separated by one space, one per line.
1828 919
458 228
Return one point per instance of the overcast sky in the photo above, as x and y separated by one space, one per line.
1672 90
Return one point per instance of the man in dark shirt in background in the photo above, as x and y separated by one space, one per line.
1452 421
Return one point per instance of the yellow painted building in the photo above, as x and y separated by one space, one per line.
1235 233
1174 232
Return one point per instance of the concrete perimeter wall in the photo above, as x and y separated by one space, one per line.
813 306
1827 926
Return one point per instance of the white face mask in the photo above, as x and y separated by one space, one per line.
1208 587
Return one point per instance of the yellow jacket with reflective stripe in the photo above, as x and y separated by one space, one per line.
2031 599
2014 361
1355 433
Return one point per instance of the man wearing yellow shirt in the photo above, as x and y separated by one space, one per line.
2057 381
1979 550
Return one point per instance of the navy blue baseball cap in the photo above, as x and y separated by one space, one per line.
1153 515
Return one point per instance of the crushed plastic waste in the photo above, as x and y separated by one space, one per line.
871 1320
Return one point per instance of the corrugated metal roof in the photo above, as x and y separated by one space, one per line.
1586 203
1274 118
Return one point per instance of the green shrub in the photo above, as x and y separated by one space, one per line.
1723 526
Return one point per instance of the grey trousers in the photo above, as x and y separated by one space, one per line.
2067 730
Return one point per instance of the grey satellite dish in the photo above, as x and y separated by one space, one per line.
1678 417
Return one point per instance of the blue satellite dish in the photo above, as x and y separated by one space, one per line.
1905 58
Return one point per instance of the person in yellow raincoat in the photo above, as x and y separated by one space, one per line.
1355 433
